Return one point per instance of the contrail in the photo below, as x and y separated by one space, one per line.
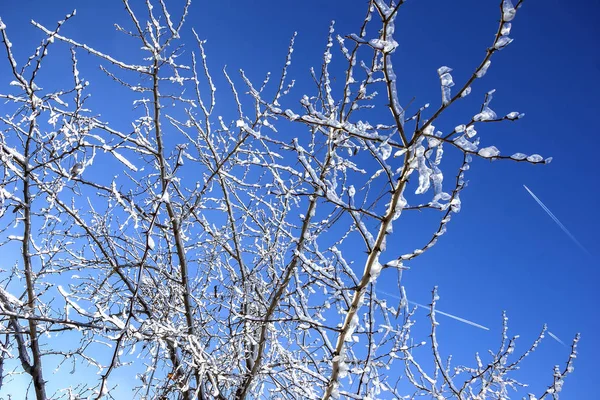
553 336
560 225
466 321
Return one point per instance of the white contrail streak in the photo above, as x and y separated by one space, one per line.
466 321
553 336
560 225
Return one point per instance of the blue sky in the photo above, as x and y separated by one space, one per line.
502 252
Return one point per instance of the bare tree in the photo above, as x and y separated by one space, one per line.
231 259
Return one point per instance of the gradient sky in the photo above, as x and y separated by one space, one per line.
502 252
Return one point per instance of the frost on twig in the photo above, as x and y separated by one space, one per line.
207 252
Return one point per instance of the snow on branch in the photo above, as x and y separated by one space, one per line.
229 244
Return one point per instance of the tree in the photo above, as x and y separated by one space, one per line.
219 262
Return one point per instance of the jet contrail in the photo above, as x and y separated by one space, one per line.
560 225
466 321
553 336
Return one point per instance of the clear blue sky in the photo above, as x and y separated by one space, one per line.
502 252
